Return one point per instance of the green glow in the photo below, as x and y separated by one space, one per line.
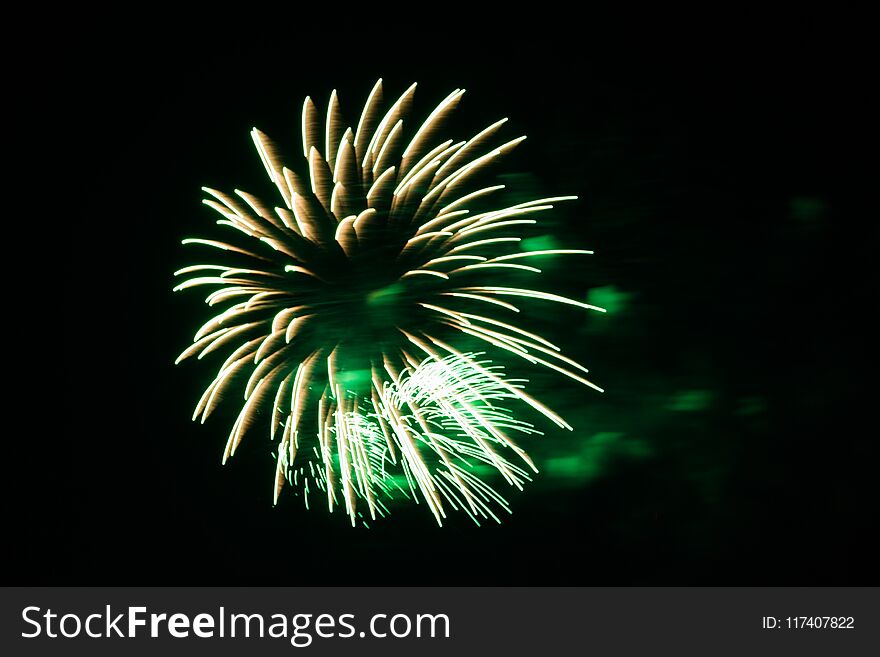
691 400
540 243
608 297
354 379
596 456
751 406
386 295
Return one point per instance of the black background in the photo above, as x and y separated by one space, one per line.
721 178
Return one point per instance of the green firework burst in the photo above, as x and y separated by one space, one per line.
338 311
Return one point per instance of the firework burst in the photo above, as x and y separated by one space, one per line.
337 309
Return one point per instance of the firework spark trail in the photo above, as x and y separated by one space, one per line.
378 249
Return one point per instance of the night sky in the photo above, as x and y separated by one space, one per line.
720 184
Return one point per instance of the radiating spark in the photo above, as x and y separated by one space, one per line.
389 225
